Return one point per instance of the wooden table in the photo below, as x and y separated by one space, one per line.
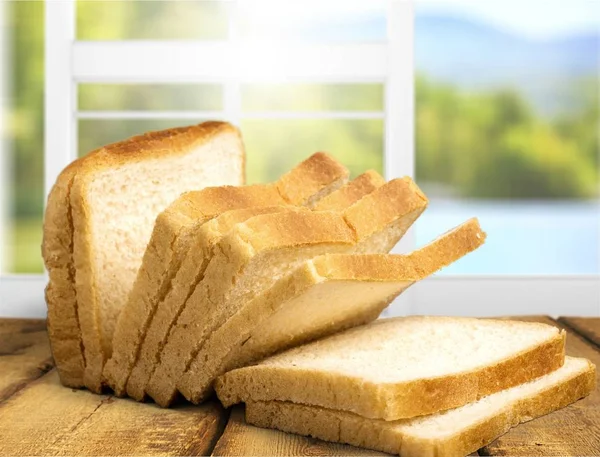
38 416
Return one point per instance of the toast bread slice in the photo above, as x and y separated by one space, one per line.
115 197
402 367
256 253
323 296
454 433
195 262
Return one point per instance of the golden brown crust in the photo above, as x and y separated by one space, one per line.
385 205
352 192
57 251
389 401
397 437
313 179
294 229
413 267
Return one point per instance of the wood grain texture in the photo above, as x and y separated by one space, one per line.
572 431
588 327
46 418
24 354
240 438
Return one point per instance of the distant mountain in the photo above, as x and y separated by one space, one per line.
478 56
475 56
463 51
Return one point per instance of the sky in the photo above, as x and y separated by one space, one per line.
540 19
537 19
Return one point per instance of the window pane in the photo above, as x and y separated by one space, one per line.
94 133
275 146
313 20
507 115
150 97
312 97
23 145
151 20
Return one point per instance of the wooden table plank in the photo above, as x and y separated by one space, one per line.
572 431
240 439
46 418
24 353
588 327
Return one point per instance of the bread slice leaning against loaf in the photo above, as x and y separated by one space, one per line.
194 265
389 369
174 234
256 253
323 296
97 223
454 433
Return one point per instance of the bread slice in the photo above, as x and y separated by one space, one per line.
57 250
256 253
323 296
402 367
194 264
174 234
115 197
453 433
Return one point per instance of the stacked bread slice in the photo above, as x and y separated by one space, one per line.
414 386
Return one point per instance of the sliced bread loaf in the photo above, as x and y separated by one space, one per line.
256 253
323 296
173 237
194 264
454 433
402 367
115 197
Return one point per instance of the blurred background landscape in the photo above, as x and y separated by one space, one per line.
507 121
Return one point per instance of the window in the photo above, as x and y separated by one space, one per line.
491 134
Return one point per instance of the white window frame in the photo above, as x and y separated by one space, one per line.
69 62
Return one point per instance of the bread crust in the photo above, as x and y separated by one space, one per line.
351 192
228 347
149 146
172 238
57 251
389 401
397 438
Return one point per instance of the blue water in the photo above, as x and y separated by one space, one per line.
531 238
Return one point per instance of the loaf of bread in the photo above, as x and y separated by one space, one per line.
323 296
98 221
454 433
175 232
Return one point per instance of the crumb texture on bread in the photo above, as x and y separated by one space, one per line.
116 195
380 369
454 433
